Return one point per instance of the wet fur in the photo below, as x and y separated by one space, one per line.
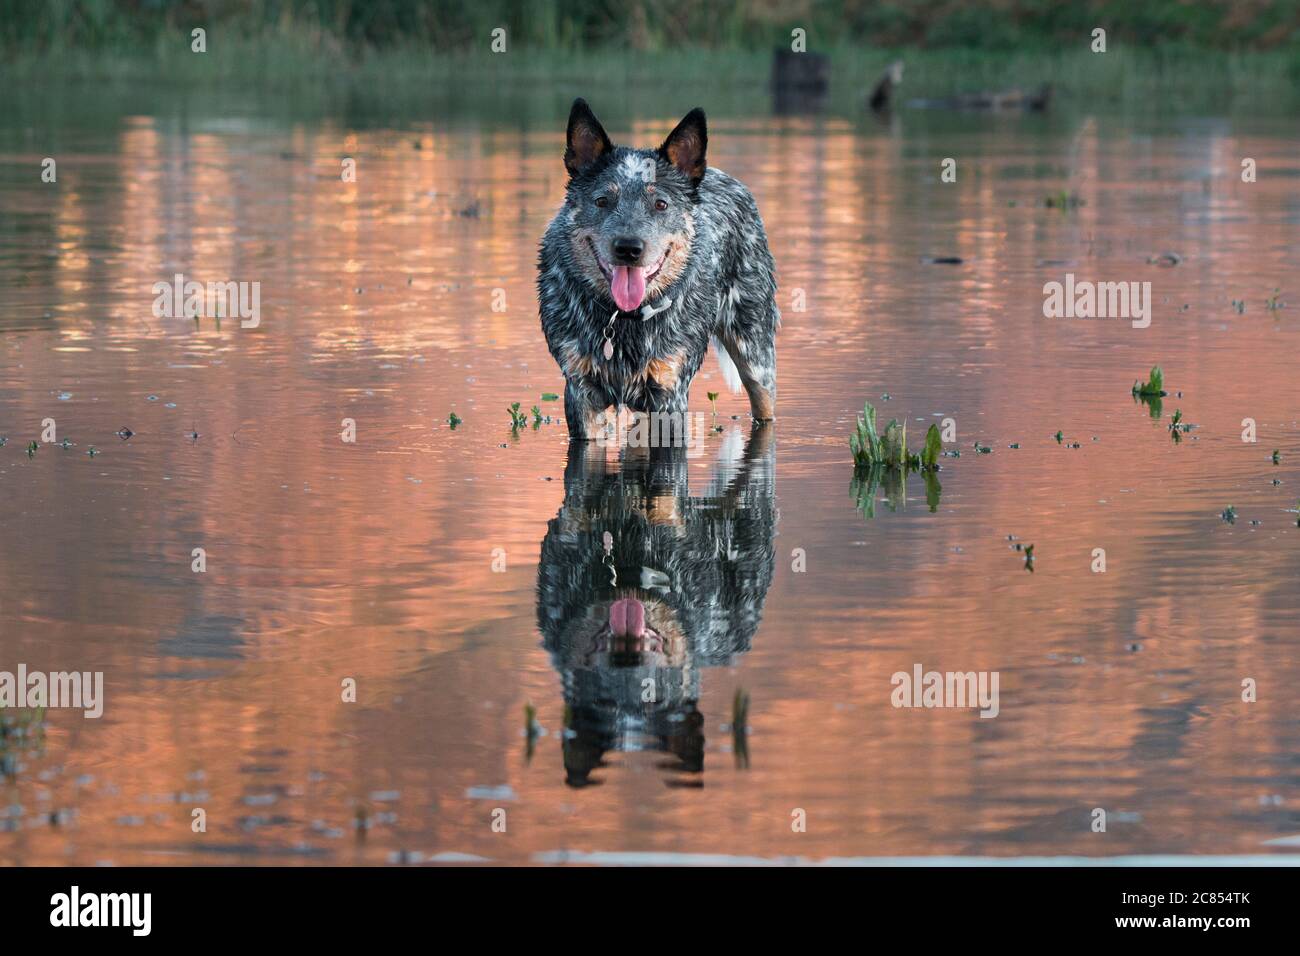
717 271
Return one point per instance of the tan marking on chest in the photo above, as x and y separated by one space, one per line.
577 365
664 371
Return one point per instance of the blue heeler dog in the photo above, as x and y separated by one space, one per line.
652 254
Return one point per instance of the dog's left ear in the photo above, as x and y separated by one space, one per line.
686 145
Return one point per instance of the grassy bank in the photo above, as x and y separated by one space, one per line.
288 60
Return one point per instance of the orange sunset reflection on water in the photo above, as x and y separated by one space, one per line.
448 572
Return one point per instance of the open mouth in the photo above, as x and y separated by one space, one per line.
627 283
649 643
626 638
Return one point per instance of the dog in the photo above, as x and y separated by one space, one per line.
641 585
652 254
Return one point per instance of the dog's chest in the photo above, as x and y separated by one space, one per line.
628 356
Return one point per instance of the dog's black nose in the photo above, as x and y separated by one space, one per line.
628 249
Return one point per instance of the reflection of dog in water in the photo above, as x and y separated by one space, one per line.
642 584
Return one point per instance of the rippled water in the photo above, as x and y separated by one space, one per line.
450 573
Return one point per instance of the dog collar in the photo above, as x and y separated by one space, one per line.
648 311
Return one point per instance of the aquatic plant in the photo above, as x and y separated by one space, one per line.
532 729
932 451
550 397
1239 305
1029 558
1229 514
889 450
1063 200
740 727
1178 427
537 417
453 420
713 400
868 482
885 459
517 418
1277 456
1274 302
32 448
1154 386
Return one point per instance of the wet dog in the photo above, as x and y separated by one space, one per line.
641 585
652 254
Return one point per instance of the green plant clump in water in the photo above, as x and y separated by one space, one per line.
885 459
713 400
1229 514
1153 387
517 418
1178 427
453 420
874 450
1063 200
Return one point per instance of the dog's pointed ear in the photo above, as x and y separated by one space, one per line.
586 141
686 145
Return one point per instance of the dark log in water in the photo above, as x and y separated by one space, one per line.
1012 99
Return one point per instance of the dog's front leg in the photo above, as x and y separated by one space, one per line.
583 411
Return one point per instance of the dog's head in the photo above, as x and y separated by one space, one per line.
632 211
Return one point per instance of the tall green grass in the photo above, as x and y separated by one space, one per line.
1157 50
282 60
657 25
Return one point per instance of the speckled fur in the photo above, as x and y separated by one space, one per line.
717 272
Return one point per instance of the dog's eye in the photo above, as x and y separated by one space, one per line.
602 201
660 205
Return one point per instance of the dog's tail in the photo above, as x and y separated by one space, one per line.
730 373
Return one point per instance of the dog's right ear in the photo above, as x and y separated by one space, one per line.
586 141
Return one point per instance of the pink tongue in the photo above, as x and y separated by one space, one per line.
627 618
628 286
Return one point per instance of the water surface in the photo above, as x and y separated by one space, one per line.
449 572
